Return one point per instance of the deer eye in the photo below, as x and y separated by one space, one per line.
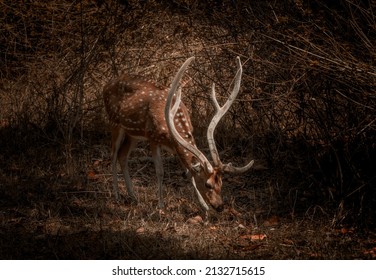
196 167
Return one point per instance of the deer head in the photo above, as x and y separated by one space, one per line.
206 177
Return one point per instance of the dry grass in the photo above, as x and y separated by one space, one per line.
49 214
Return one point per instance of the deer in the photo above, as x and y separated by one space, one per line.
141 110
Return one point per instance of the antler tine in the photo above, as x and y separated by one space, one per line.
232 169
219 113
170 114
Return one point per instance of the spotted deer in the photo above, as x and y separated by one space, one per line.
141 110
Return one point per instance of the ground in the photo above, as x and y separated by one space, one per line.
50 211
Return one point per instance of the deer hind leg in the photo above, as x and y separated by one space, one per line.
118 135
126 148
157 158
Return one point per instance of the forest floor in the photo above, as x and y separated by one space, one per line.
58 207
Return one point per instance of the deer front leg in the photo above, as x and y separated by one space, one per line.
128 145
156 153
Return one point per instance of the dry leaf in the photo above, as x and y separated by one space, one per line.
346 230
91 175
254 237
195 220
258 237
288 242
140 230
272 221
